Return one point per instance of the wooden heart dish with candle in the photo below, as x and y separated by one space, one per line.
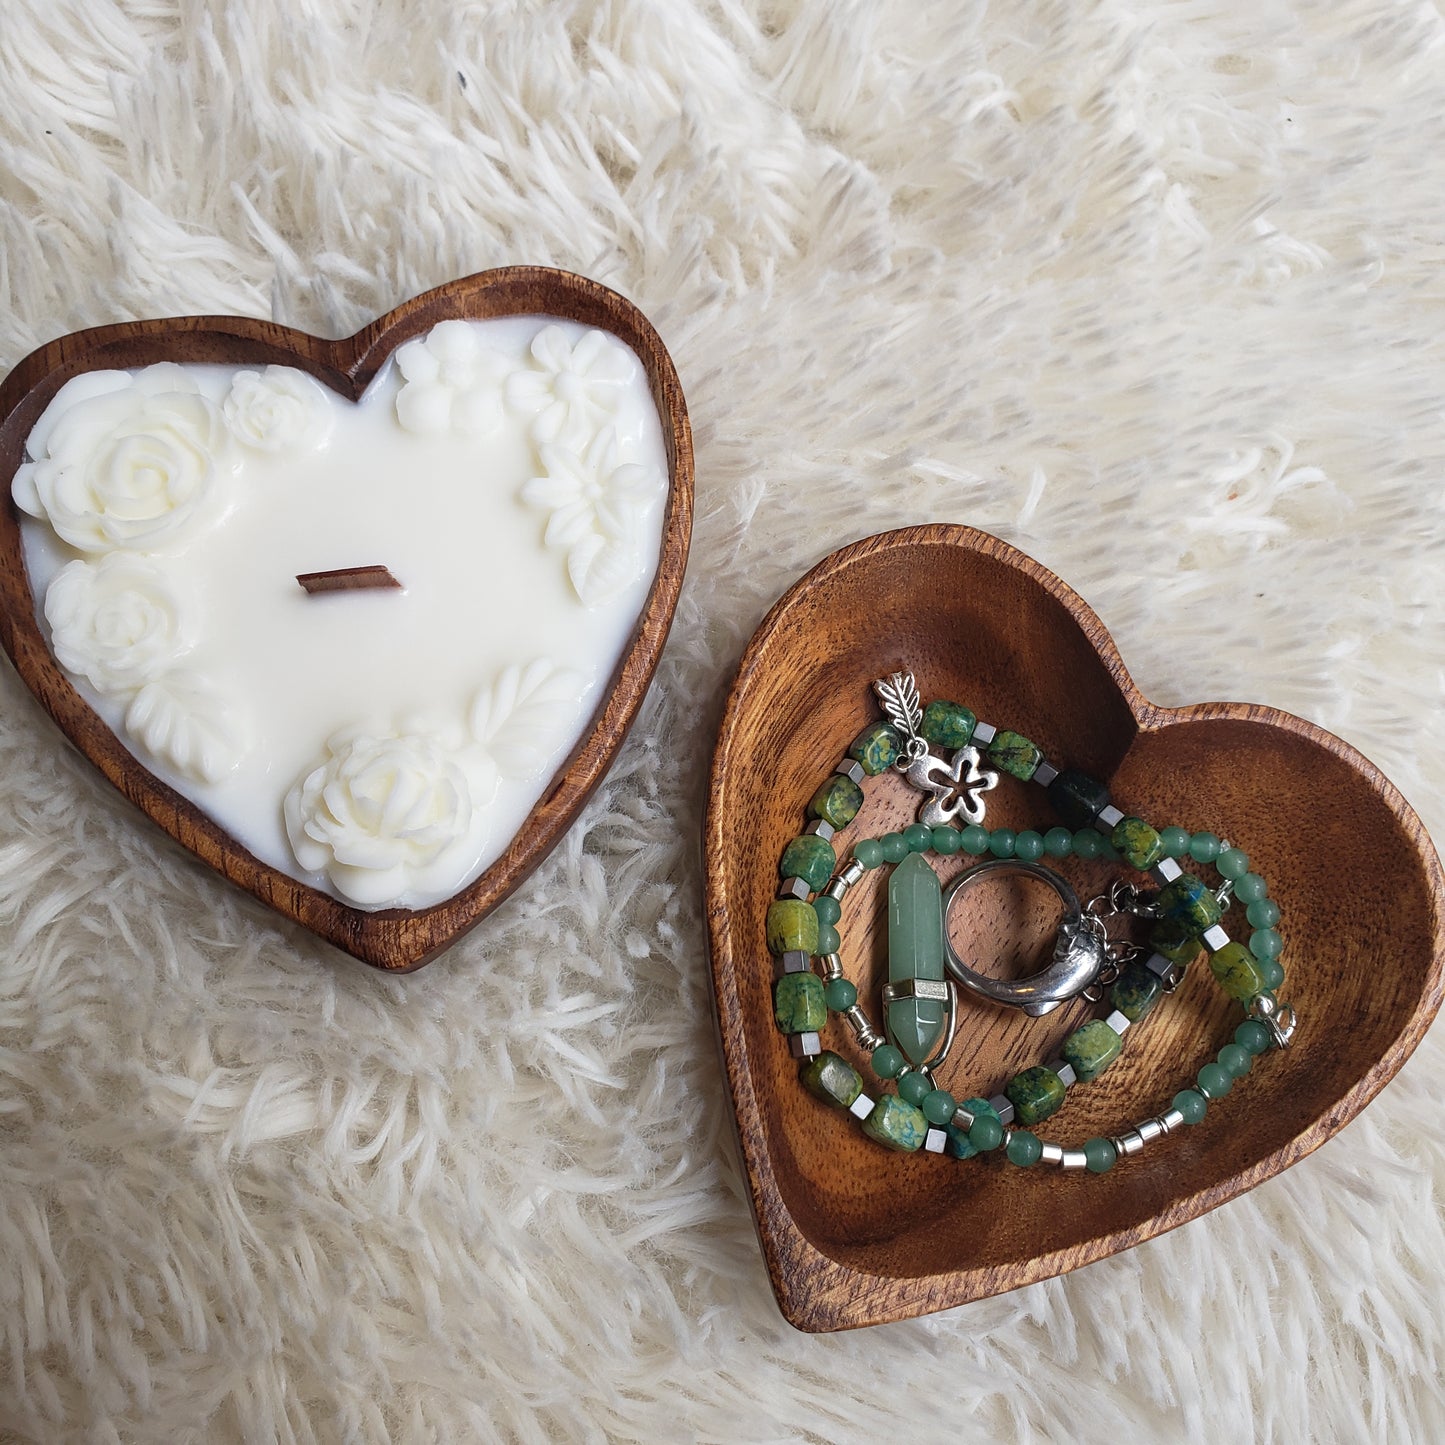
361 623
856 1233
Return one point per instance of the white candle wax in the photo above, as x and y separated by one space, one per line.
383 745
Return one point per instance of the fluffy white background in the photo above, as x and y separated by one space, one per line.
1152 290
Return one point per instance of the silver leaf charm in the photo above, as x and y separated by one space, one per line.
957 787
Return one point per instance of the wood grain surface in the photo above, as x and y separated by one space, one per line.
398 940
856 1235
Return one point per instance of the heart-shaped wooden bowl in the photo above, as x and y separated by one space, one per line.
398 940
856 1235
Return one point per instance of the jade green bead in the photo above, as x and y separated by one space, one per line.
828 940
1024 1149
1204 847
1091 1048
1192 1104
1235 1059
946 840
810 858
1253 1035
938 1107
792 927
887 1061
947 725
1215 1081
974 839
1029 846
840 994
869 852
1001 842
837 801
958 1145
896 1124
1266 943
831 1078
985 1134
1035 1094
1263 913
1058 842
798 1003
1250 888
1099 1155
1175 840
1237 971
919 837
876 748
914 1087
828 909
894 846
1088 843
1077 798
1232 863
1014 754
1139 845
1272 970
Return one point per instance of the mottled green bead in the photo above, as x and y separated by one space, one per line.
986 1133
1250 888
869 852
894 846
1232 863
1237 971
1024 1149
810 858
1192 1104
840 994
896 1124
1174 940
837 801
1215 1081
1099 1155
1058 842
831 1078
1253 1035
1001 842
1029 846
828 909
919 837
938 1107
974 839
914 1087
1273 972
1014 754
1091 1049
958 1145
1035 1094
1262 913
947 840
947 725
792 927
1088 843
1189 900
1204 847
1077 798
828 940
1266 943
887 1061
1175 840
798 1003
876 748
1235 1060
1139 845
1136 991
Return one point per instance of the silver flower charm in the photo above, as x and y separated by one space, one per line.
956 787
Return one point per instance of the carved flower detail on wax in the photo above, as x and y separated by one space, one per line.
393 818
571 391
279 409
122 461
450 381
597 506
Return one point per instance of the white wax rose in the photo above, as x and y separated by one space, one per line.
279 409
571 391
393 818
118 622
127 461
451 381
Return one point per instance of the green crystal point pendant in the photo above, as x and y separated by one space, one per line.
915 954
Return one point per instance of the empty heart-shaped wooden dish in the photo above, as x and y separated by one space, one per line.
854 1234
396 939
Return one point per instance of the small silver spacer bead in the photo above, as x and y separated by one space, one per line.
962 1118
792 962
821 828
832 966
1157 963
1171 1120
1074 1159
851 873
868 1037
1131 1141
1151 1129
934 1140
1004 1108
1053 1154
1110 816
1118 1022
1064 1070
861 1107
851 770
1166 870
804 1046
1215 938
983 734
836 889
794 888
1045 773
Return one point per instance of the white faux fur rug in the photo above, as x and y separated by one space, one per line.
1152 290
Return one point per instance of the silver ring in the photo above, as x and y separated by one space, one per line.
1078 952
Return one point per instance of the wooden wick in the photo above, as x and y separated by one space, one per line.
347 579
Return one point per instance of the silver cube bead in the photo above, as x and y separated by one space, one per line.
1064 1070
804 1046
794 888
1110 816
1166 870
1215 938
984 733
934 1140
794 961
1003 1106
821 828
852 771
861 1107
1118 1022
1157 963
1044 774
